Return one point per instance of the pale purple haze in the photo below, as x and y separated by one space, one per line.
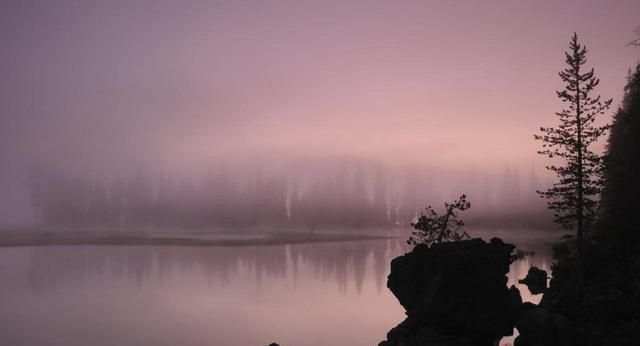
110 87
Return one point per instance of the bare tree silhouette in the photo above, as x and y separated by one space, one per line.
432 228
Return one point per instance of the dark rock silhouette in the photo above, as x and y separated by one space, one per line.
454 293
516 303
536 280
607 312
411 333
540 327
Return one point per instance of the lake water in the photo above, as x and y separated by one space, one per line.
301 295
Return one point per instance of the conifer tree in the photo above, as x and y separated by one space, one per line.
574 197
620 201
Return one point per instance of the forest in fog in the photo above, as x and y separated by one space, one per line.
302 195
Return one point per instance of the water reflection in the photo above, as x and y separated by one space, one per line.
305 294
339 263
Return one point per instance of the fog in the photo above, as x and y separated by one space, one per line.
297 194
284 114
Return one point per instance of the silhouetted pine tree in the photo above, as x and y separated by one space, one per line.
573 198
620 200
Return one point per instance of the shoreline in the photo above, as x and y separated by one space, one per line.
33 239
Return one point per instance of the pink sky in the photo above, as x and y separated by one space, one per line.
385 79
102 85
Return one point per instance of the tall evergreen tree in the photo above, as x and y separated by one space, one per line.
574 197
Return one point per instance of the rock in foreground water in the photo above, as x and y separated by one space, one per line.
536 280
454 293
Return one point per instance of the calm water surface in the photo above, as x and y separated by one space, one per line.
306 294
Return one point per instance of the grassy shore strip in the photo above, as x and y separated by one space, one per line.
53 239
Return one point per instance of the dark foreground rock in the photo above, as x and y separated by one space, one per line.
454 293
536 280
410 333
606 309
541 327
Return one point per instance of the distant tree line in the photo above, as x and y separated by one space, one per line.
349 194
221 199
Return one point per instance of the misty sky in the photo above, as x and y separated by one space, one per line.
107 86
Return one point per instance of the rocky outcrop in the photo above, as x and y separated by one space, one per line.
411 333
454 293
541 327
536 280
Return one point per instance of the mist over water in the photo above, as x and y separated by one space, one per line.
297 195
